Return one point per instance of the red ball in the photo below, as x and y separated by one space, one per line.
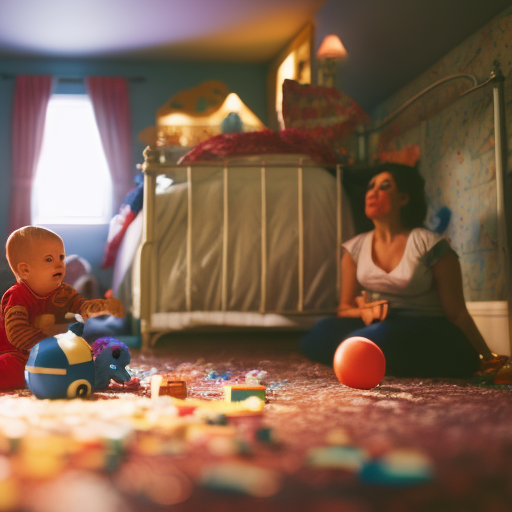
359 363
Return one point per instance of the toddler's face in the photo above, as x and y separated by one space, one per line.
45 269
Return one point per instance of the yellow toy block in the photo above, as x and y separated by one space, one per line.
239 392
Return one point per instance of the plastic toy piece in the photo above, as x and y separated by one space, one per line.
241 478
504 375
350 458
255 377
239 392
61 366
175 388
111 357
398 468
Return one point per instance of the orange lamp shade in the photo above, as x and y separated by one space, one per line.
331 48
359 363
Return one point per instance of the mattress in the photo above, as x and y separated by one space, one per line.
263 239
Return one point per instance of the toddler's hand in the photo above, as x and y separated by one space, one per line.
99 307
115 307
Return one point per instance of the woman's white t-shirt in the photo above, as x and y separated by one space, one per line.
409 287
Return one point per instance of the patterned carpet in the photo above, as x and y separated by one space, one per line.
417 445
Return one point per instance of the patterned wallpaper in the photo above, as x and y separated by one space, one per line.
456 139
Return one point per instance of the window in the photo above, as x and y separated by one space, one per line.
72 183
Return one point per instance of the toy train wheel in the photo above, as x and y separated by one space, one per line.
79 389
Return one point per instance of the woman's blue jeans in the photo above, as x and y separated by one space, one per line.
414 346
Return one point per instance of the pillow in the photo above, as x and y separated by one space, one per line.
171 154
78 275
262 142
186 136
325 113
131 206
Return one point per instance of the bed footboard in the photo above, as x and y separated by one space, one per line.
147 278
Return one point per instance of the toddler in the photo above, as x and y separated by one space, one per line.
35 307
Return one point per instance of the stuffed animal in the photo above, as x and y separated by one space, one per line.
111 357
65 365
79 276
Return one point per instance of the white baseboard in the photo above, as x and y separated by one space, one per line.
491 319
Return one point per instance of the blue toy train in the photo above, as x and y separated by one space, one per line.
65 365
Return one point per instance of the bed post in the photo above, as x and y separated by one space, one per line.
339 227
300 186
147 276
188 281
362 144
225 238
263 300
503 189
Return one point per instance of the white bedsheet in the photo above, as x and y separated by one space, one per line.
244 290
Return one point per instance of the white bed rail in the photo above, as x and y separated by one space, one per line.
151 325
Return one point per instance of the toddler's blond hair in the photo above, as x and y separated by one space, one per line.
20 242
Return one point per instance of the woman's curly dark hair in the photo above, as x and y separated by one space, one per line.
409 181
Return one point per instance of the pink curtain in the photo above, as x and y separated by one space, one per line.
31 96
111 103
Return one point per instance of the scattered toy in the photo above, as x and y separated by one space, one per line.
239 392
61 366
359 363
350 458
66 366
242 478
398 468
111 357
175 388
255 377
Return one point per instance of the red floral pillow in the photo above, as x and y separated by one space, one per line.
325 113
262 142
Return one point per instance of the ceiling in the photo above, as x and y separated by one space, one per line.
203 30
389 42
392 42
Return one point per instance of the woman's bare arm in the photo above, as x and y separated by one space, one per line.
352 304
448 280
349 288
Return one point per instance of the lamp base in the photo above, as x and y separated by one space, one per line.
327 73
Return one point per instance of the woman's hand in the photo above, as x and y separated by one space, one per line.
448 281
376 310
492 364
353 305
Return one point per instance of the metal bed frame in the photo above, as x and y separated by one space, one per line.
152 168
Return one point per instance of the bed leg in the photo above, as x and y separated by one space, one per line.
146 342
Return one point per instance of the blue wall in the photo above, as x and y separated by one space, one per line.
160 81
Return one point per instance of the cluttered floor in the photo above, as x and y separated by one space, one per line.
315 445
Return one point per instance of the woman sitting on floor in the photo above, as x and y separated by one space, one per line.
401 287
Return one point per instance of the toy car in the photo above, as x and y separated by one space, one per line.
61 366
